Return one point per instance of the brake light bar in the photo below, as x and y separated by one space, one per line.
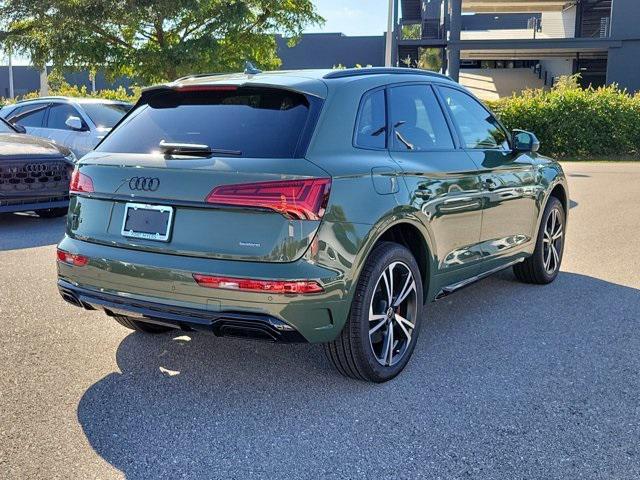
72 258
295 287
304 199
80 183
207 88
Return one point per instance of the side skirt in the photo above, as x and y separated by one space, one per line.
454 287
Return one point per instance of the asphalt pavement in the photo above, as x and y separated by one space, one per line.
508 380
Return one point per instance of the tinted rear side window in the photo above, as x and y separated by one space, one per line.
29 115
257 122
371 129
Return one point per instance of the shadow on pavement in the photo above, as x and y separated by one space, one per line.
507 378
28 230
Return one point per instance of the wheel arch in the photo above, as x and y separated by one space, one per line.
410 233
560 192
557 189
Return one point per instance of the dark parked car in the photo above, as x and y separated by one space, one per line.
34 173
317 206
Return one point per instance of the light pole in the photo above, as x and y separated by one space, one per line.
44 81
453 48
388 57
11 91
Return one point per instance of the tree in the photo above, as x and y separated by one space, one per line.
153 40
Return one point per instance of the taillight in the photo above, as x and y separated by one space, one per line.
72 258
295 199
264 286
80 183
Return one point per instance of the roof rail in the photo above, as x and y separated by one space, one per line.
356 72
48 97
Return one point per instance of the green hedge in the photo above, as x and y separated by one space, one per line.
575 122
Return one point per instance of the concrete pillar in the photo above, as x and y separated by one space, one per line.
44 82
453 47
388 54
396 36
11 90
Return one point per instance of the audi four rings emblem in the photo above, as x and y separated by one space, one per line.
146 184
36 167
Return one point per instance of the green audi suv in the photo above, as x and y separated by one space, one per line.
307 206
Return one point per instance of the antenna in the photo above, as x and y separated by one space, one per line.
250 69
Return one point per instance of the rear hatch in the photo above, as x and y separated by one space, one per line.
215 172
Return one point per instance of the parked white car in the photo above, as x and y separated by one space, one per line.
76 123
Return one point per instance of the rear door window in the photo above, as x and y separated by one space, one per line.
253 122
417 119
29 115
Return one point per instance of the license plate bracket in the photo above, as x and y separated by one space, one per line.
149 222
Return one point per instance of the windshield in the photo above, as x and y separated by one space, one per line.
4 128
106 115
245 122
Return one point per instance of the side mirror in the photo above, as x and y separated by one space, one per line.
74 123
525 141
19 128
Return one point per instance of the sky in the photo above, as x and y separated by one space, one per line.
351 17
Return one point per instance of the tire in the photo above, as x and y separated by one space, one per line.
52 212
139 326
535 269
359 354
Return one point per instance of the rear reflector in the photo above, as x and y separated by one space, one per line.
295 199
80 183
264 286
72 259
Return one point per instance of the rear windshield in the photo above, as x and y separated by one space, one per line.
252 122
106 115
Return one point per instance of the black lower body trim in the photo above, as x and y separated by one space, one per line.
231 324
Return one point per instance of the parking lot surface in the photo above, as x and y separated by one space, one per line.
507 380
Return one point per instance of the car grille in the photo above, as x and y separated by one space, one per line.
47 177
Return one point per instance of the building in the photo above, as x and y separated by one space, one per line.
26 79
475 41
328 50
494 47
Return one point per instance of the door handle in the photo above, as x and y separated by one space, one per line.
490 184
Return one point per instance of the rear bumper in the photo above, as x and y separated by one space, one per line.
161 288
257 326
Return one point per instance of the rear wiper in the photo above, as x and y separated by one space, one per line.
194 149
